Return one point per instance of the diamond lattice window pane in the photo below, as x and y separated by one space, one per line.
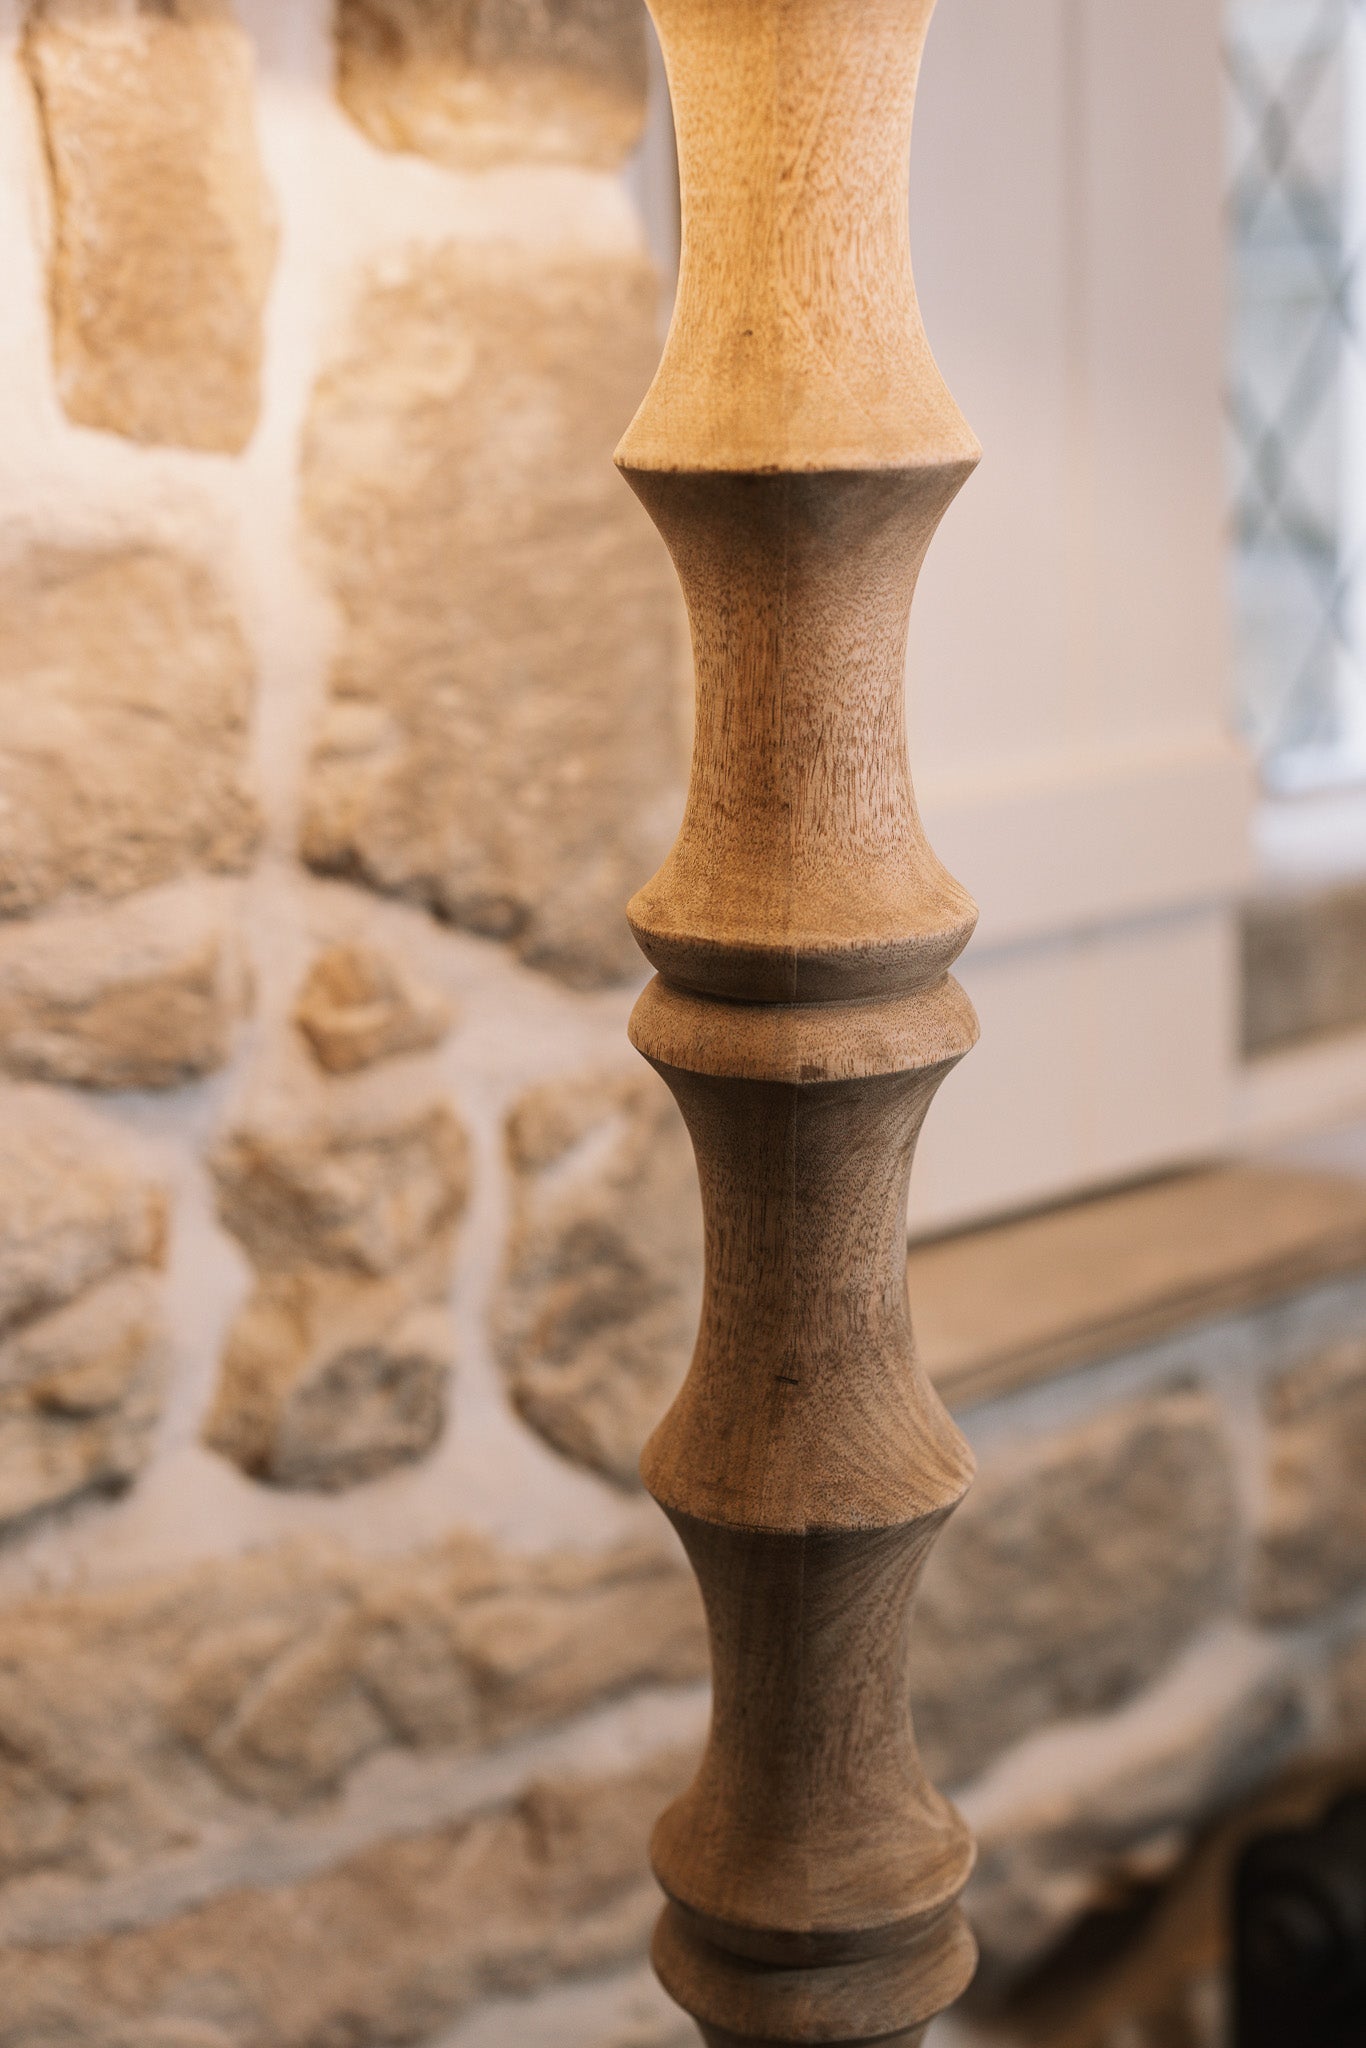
1294 316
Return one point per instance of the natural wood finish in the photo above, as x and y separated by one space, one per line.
1000 1308
797 450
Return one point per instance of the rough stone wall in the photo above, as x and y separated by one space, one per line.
1152 1605
346 1254
342 703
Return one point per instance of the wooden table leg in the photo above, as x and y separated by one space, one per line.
797 451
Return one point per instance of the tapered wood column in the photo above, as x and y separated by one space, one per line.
797 450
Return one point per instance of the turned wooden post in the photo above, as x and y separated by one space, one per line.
797 450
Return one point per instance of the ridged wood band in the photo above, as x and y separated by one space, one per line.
797 451
801 872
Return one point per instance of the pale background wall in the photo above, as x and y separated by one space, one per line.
1070 676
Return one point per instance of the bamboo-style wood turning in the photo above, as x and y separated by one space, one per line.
797 451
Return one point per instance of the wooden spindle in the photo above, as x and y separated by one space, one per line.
797 450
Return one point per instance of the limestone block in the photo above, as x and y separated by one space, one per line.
336 1369
1070 1576
328 1380
359 1005
81 1361
342 1188
455 1649
125 696
392 1944
548 81
80 1393
1313 1540
148 1717
1067 1849
600 1298
164 235
146 993
74 1204
503 735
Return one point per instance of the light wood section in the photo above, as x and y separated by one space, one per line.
1000 1308
797 450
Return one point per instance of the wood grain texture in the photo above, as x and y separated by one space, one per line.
797 450
1004 1307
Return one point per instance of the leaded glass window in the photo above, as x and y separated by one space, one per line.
1297 390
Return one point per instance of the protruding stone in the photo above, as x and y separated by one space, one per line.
363 1193
600 1299
80 1393
74 1204
1071 1575
80 1354
328 1380
142 994
142 1718
125 698
336 1369
164 235
503 740
499 81
1313 1539
358 1005
392 1944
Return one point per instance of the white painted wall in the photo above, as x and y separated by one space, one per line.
1069 671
